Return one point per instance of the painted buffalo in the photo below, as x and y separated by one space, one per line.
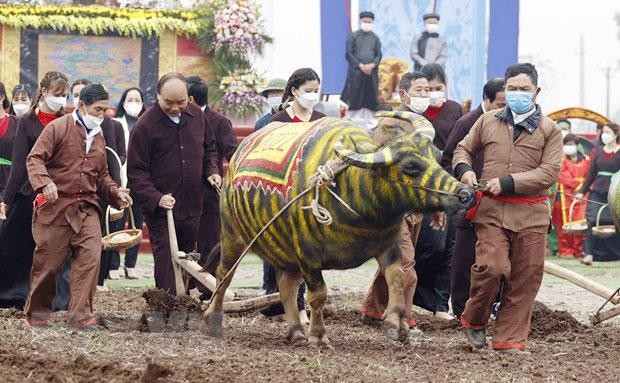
383 182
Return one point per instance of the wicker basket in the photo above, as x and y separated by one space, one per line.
603 231
574 227
123 239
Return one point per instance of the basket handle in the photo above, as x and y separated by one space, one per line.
131 219
598 215
107 220
570 210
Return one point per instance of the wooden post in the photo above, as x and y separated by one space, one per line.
604 315
581 281
201 275
174 250
251 303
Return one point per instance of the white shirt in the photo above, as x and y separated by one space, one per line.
175 119
518 118
90 136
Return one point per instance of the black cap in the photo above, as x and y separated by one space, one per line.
367 14
430 16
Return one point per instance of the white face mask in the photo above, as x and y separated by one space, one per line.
608 138
76 101
431 28
436 98
133 109
91 122
307 100
570 150
366 27
55 103
419 104
274 101
20 108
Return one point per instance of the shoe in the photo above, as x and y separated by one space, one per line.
40 323
513 351
131 273
444 315
115 274
102 289
273 310
89 324
587 260
303 318
476 338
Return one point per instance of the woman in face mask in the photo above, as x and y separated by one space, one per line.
8 128
442 113
129 109
302 88
604 164
16 242
572 174
76 88
21 100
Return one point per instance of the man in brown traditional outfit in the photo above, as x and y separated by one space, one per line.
166 166
522 157
67 167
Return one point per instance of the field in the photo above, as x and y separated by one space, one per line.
135 343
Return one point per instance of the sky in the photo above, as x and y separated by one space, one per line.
549 34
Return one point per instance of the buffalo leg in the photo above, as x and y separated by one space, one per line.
394 322
288 284
317 295
229 253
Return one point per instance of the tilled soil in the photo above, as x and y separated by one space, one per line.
137 342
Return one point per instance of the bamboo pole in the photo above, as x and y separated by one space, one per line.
581 281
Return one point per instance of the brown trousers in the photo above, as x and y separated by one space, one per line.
517 259
376 299
187 234
54 243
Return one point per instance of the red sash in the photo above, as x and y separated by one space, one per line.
471 213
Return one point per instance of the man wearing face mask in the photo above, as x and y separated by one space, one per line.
362 84
166 167
67 168
273 93
429 47
464 255
522 159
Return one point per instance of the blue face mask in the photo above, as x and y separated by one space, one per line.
519 102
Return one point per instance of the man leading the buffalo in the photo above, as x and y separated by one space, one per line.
522 158
166 165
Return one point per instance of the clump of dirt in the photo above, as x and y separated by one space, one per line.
429 323
160 301
547 322
155 373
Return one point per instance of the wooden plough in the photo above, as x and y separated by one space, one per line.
188 262
611 296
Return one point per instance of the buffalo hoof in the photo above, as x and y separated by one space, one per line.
296 335
321 342
214 325
400 334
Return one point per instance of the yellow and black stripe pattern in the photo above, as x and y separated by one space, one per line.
380 185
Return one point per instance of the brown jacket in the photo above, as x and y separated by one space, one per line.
59 156
527 166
